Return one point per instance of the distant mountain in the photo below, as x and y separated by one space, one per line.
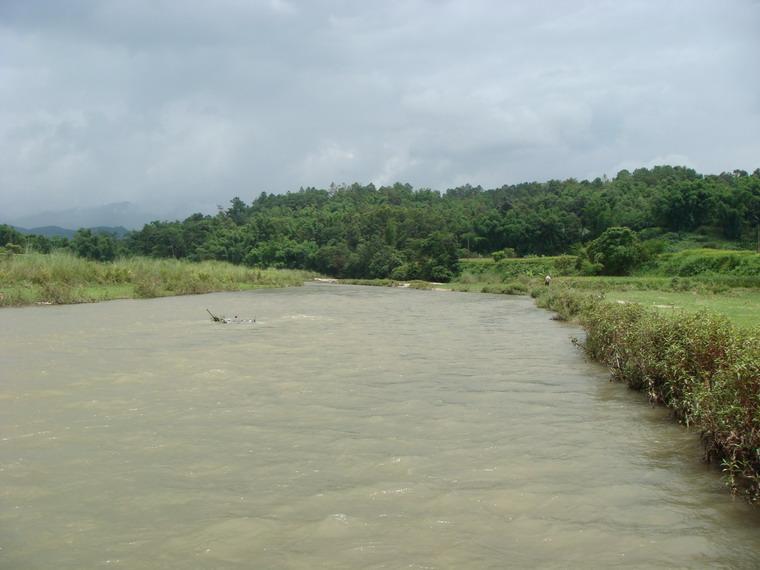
57 231
115 215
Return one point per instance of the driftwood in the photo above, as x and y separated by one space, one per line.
215 318
231 321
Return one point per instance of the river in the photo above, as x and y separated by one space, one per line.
349 427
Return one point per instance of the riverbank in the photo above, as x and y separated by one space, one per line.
699 357
63 278
699 364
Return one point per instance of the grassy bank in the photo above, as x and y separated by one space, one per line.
59 278
726 282
699 364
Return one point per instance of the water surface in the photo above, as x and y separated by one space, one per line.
349 427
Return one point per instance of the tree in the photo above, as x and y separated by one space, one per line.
618 250
100 247
238 211
685 206
435 257
9 234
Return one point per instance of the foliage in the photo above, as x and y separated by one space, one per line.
396 231
506 253
10 235
96 246
486 270
355 231
689 263
618 251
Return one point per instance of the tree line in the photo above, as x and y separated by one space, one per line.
405 233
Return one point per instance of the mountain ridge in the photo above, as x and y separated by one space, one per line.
57 231
113 215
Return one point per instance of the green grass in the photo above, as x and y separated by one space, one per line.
725 282
736 297
61 277
741 306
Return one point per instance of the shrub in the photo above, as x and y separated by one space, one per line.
699 365
618 250
506 253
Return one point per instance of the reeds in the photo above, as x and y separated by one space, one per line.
62 277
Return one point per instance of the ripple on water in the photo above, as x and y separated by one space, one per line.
349 428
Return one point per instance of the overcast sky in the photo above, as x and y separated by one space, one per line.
179 105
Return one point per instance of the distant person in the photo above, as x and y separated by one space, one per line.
548 280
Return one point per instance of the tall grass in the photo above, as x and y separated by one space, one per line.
61 277
700 365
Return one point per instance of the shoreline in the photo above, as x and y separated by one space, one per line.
698 364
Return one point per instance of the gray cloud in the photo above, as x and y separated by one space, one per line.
178 106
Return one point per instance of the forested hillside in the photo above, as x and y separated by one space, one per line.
397 231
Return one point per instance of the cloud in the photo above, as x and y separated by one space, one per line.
179 106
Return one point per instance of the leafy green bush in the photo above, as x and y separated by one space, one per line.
506 253
618 250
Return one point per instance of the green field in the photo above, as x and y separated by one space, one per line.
726 282
742 306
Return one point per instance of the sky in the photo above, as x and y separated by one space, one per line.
179 105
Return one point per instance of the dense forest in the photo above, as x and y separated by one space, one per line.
397 231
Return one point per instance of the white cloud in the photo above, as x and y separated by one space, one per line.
185 104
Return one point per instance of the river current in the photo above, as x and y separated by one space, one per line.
349 427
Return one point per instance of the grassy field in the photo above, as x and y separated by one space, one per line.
741 306
725 282
61 277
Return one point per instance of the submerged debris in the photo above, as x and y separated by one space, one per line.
231 320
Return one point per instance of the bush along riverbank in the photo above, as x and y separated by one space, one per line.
700 365
61 277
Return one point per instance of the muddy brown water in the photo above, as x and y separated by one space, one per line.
350 427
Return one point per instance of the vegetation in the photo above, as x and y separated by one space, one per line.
487 270
62 277
699 364
703 262
741 306
618 251
722 281
398 232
